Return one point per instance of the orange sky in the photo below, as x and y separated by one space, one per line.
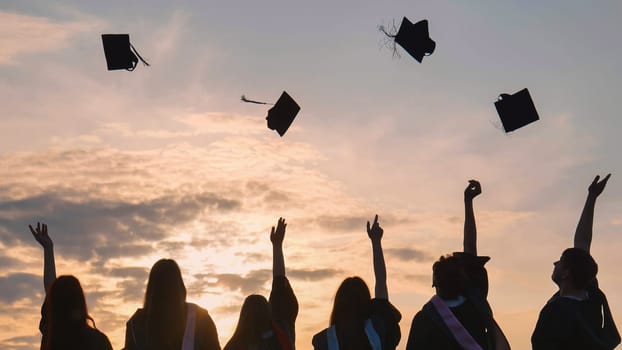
165 161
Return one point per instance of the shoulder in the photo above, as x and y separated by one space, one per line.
97 339
137 318
553 312
384 308
320 340
202 314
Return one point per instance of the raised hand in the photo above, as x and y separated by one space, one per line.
374 231
41 235
473 190
277 235
597 187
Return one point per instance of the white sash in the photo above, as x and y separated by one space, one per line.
188 341
370 331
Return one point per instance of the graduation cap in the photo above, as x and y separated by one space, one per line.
516 110
282 113
414 38
120 53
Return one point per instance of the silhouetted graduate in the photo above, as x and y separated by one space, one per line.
578 316
269 324
459 316
516 110
414 38
120 53
357 321
282 114
65 319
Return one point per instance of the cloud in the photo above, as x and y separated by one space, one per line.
408 254
312 274
24 34
342 223
253 257
228 309
24 342
17 286
103 228
137 273
8 262
252 282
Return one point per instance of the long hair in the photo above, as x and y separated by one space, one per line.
351 308
165 306
255 319
66 314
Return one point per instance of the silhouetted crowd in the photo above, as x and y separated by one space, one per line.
458 316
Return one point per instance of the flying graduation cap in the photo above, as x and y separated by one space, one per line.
282 113
414 38
120 53
516 110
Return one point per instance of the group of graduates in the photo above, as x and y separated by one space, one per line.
458 316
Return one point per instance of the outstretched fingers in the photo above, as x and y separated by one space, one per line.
597 186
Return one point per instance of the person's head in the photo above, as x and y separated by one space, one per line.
255 320
165 305
66 312
352 301
448 277
575 267
165 285
65 301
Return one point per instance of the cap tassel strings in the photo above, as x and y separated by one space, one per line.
244 99
389 41
139 56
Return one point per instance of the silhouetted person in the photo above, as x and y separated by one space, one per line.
167 321
459 316
357 321
64 314
578 315
269 325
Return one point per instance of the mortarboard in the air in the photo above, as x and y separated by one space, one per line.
282 114
516 110
120 53
415 39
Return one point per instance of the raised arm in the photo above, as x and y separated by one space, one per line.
583 234
40 233
470 230
276 237
380 270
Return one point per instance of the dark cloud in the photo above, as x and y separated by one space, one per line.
420 278
224 233
172 246
27 342
89 228
253 257
312 274
132 290
408 254
277 198
8 262
16 286
251 283
342 223
454 220
137 273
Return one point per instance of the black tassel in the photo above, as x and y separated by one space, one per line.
244 99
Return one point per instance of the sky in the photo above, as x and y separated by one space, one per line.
165 161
